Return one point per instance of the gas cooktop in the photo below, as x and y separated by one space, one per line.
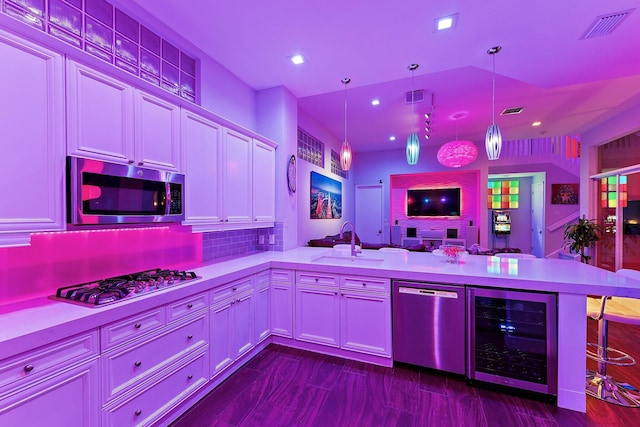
118 288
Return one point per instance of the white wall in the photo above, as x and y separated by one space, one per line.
277 119
317 228
520 236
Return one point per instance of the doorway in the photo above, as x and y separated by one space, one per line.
368 213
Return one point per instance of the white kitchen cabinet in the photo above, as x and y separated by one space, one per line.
99 115
157 127
264 180
262 304
148 405
33 131
69 398
201 144
58 382
232 323
350 312
317 309
282 302
236 177
365 323
110 120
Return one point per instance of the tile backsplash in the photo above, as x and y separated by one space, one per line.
224 244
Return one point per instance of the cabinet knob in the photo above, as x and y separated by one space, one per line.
316 279
190 336
189 305
235 289
28 368
221 220
190 376
226 220
364 284
138 412
137 325
138 363
140 163
130 161
233 302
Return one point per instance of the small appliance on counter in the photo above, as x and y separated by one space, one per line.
127 286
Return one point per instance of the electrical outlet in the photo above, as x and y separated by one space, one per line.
272 239
261 239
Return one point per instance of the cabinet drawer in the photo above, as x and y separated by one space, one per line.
303 278
283 276
186 306
160 396
29 366
124 368
231 289
370 284
263 280
124 330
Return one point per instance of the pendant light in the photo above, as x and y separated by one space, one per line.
493 139
413 143
345 150
455 154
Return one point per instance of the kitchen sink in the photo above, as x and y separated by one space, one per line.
347 260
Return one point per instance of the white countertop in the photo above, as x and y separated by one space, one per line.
36 322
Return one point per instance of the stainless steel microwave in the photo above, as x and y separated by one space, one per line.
100 192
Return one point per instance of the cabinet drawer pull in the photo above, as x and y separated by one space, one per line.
190 376
130 161
235 289
138 325
189 305
138 412
28 368
364 284
190 336
138 363
316 279
140 163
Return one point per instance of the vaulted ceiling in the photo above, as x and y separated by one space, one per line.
568 82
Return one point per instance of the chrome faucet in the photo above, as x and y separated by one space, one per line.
354 252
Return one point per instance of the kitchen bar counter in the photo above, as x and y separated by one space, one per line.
42 321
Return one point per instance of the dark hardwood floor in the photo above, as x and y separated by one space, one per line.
286 387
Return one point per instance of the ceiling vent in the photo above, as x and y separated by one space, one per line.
605 24
418 96
511 111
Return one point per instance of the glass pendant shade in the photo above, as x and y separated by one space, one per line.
345 156
413 148
493 142
455 154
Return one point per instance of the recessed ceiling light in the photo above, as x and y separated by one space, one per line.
446 22
536 123
375 102
392 138
297 59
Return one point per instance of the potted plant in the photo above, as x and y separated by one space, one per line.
581 235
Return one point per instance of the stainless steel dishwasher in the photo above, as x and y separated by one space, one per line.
429 325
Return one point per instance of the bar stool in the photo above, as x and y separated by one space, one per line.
616 309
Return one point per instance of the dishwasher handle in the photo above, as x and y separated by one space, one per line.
436 293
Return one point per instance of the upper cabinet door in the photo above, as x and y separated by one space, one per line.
201 144
264 182
100 115
238 188
157 125
32 135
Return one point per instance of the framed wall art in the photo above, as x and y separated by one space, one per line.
326 197
564 194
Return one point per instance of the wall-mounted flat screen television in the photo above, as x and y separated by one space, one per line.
433 202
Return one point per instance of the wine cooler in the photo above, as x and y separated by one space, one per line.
512 339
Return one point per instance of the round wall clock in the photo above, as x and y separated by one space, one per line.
291 174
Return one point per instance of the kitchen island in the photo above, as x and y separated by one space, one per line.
36 323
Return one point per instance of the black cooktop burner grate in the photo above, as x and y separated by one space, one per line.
120 287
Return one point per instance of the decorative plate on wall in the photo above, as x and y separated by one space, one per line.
291 174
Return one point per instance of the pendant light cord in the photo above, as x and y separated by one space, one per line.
412 105
493 92
345 109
